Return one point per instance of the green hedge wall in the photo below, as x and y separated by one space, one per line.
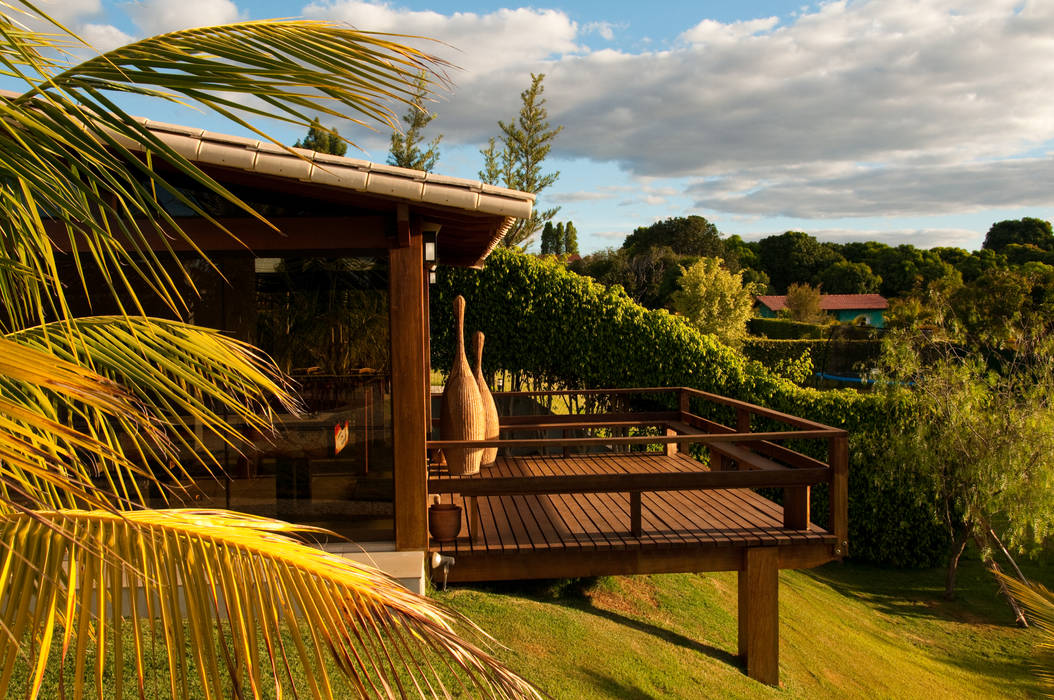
834 356
784 328
543 320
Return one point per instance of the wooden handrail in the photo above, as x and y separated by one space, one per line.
613 483
757 410
638 440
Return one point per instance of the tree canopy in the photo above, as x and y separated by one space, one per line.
407 148
322 140
715 300
684 235
1026 231
525 143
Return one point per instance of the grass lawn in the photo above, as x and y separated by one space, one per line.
845 631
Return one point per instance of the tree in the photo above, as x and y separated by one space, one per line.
691 235
1026 231
715 301
405 150
322 140
982 438
792 257
846 277
93 409
525 142
570 239
803 303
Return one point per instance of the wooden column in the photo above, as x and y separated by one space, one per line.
838 459
759 614
408 332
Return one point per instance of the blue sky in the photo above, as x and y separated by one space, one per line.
914 121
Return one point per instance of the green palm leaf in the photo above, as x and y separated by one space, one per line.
224 586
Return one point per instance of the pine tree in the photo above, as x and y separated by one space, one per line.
525 144
558 239
570 239
548 234
405 150
323 140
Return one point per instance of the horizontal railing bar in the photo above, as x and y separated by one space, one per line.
760 410
791 457
588 392
638 440
614 483
644 417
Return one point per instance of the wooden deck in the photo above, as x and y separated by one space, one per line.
607 487
579 534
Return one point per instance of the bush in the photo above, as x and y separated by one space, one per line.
831 356
784 329
546 322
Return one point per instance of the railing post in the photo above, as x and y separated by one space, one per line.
742 420
635 527
683 404
838 459
670 448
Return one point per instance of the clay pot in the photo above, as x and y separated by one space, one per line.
490 409
444 521
462 416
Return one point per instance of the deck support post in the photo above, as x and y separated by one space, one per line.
670 448
759 614
796 507
635 527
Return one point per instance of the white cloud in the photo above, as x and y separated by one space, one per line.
918 237
888 191
161 16
605 30
104 37
778 116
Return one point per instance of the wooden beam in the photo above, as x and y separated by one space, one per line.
322 235
838 455
708 439
568 563
759 614
402 227
409 425
615 483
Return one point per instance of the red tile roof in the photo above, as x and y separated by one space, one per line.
833 302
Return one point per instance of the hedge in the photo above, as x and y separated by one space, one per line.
833 356
784 328
545 321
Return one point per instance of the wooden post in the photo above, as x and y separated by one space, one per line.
671 447
717 461
742 420
409 428
838 459
796 507
759 614
635 526
684 404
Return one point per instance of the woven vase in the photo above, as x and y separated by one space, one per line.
490 409
462 416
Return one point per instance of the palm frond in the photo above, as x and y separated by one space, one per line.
1038 602
70 155
52 452
224 586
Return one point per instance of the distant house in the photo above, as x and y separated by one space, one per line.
849 308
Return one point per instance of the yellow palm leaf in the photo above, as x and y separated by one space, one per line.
224 585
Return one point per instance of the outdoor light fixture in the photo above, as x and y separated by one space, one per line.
430 247
431 277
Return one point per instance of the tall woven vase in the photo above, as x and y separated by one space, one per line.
490 409
462 416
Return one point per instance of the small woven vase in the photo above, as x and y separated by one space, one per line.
462 416
490 409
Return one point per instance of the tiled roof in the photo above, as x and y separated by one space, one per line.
833 302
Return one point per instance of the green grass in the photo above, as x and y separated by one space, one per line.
845 631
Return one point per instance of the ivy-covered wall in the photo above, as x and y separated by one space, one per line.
545 321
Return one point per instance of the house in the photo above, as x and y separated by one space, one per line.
864 309
590 501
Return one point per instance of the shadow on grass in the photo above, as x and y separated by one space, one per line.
606 686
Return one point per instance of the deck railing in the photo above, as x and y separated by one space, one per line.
738 457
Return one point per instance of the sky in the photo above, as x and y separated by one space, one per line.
904 121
